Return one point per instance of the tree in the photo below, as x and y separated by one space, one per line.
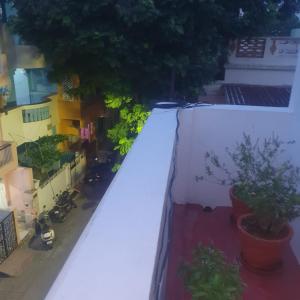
148 48
132 118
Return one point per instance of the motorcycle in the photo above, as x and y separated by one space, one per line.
65 202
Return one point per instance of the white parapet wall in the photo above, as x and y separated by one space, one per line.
217 127
116 255
276 66
68 176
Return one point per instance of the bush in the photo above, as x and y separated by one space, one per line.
210 277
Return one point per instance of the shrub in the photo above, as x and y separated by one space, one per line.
210 277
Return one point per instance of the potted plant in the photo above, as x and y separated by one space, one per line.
265 233
210 277
242 181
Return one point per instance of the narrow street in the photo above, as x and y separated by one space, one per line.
36 269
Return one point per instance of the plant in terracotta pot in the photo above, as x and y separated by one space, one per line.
210 277
265 233
243 181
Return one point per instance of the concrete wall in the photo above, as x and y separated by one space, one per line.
10 164
19 186
66 177
55 185
13 127
118 247
256 76
77 171
277 67
284 54
217 127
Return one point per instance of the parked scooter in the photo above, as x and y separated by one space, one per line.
57 214
47 236
44 229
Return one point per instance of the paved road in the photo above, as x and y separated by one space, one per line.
41 267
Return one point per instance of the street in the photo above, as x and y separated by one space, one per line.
35 269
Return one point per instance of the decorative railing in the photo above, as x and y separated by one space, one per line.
266 47
254 47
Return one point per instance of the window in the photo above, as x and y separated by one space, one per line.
34 115
39 85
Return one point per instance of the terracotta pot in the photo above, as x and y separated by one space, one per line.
238 206
260 254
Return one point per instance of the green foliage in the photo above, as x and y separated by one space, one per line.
132 118
152 48
43 153
262 179
210 277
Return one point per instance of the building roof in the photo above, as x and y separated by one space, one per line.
240 94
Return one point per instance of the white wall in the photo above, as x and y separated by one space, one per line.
56 185
259 77
14 129
284 54
116 254
78 170
18 184
214 128
275 68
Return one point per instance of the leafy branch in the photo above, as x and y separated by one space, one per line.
132 118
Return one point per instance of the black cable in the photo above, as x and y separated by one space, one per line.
158 277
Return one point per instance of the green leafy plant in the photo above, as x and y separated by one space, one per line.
132 118
210 277
262 179
43 153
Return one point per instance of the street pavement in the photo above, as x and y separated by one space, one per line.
35 269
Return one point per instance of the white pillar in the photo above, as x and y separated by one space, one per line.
295 95
21 87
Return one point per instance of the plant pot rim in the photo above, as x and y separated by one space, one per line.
273 241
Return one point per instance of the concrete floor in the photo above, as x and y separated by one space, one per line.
36 269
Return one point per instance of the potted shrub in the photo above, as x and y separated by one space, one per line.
210 277
243 181
265 233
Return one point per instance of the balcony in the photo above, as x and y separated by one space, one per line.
151 216
8 157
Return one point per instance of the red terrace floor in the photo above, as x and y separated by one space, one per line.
191 225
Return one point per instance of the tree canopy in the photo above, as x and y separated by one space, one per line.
144 48
43 153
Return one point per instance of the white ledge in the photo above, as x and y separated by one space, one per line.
114 258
